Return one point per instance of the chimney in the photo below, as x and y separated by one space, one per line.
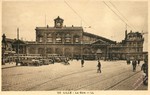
125 34
47 26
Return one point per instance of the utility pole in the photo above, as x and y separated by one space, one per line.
82 45
3 48
45 45
17 46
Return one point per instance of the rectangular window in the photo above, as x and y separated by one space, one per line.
58 40
67 40
76 40
40 39
49 40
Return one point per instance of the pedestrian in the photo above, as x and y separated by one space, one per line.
128 61
144 68
134 65
67 62
138 61
53 61
82 62
99 66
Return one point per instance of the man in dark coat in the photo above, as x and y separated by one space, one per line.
17 61
138 61
134 65
99 66
144 68
82 62
128 61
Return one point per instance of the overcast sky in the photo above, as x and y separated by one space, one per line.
27 15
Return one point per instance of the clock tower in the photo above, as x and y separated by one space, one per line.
58 22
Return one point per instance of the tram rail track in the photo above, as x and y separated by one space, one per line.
9 67
94 82
116 84
70 74
32 88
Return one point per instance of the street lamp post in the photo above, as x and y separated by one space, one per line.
3 48
3 53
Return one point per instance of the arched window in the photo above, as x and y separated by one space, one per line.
40 39
58 51
32 50
76 39
77 50
49 35
41 51
49 38
58 39
49 50
67 52
68 38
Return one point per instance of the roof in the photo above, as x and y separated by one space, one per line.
58 18
19 41
10 40
135 33
31 42
62 28
99 41
99 37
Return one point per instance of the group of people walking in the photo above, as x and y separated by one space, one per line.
134 63
98 65
144 68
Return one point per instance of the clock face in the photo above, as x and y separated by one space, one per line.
58 24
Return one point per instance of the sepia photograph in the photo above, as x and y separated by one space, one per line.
74 47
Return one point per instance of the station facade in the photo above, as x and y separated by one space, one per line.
73 42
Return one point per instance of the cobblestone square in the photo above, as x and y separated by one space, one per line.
116 75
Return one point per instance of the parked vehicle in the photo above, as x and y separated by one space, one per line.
57 59
37 62
46 61
89 57
30 62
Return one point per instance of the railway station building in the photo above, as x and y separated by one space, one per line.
74 42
